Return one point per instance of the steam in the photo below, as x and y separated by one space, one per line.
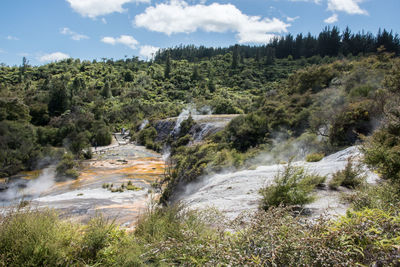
166 152
145 122
190 110
283 149
237 191
28 189
205 129
259 170
184 115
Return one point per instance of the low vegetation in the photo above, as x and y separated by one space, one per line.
315 157
292 186
351 176
123 187
67 167
175 236
384 196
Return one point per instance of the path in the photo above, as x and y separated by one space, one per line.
118 140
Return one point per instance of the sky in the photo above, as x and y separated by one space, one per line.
44 31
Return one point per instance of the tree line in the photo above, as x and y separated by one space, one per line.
329 42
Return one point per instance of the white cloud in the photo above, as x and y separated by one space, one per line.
74 36
2 51
290 19
127 40
56 56
94 8
148 51
104 20
177 16
349 6
332 19
12 38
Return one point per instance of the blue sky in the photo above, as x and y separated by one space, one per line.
49 30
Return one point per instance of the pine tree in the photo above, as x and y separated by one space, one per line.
270 56
235 57
106 92
58 98
211 85
195 75
167 70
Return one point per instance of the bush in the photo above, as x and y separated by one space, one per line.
347 125
185 126
146 136
382 152
314 78
273 238
350 177
315 157
384 196
175 236
98 235
67 166
102 136
133 188
293 186
36 238
247 131
18 146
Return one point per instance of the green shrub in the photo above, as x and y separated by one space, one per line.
133 188
88 154
79 144
315 157
72 173
314 78
146 137
382 152
182 141
102 136
186 125
175 236
361 91
314 180
272 238
67 166
353 120
98 236
36 238
292 186
161 224
247 131
384 196
350 177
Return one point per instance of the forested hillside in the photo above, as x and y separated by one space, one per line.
76 104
